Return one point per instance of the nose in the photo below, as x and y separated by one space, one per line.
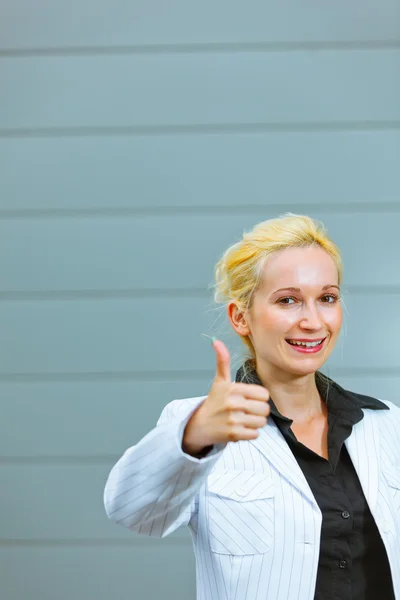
310 318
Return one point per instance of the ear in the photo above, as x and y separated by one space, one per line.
237 319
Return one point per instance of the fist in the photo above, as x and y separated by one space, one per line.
231 412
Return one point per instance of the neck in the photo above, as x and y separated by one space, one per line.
295 397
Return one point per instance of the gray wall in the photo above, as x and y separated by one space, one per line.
137 140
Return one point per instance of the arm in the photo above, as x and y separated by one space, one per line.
153 487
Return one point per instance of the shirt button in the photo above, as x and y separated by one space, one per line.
345 514
343 564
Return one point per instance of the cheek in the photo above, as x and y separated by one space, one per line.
334 319
275 320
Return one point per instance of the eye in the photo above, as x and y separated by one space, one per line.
330 298
286 301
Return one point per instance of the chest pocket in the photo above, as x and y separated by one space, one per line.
240 507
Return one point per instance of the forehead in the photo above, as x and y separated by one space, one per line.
300 267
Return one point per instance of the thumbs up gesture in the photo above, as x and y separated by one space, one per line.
231 412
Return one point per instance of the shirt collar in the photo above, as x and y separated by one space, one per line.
341 403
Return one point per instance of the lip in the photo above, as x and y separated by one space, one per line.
303 349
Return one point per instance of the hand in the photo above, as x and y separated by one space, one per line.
231 412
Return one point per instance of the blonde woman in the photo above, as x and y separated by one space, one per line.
289 484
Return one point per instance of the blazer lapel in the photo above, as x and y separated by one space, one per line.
363 446
273 447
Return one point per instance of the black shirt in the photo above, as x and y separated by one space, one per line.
353 563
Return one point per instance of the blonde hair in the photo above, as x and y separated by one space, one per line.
238 273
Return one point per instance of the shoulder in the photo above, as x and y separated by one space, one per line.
393 412
387 421
179 409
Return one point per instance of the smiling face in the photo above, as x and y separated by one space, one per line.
296 316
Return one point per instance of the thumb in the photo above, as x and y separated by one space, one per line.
223 370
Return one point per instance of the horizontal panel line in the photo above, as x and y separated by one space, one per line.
178 293
102 294
195 128
66 461
199 48
344 208
153 376
63 543
137 376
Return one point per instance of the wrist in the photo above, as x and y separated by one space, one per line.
194 441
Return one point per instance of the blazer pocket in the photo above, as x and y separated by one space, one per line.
240 512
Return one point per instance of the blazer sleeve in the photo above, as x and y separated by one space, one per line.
153 487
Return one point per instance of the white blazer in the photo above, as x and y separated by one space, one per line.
255 524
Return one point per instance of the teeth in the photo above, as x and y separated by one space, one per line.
306 344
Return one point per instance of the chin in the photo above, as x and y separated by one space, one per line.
306 368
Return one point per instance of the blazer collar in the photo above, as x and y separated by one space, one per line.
362 445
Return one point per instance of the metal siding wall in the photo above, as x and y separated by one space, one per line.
133 149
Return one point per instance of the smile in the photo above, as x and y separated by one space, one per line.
307 346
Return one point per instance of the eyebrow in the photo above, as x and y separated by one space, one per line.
294 289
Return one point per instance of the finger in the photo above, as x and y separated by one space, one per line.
253 421
251 391
243 433
223 370
251 407
254 407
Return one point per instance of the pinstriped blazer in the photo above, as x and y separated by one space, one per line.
254 521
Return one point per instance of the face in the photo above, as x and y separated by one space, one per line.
296 315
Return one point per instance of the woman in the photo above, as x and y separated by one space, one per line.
289 483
